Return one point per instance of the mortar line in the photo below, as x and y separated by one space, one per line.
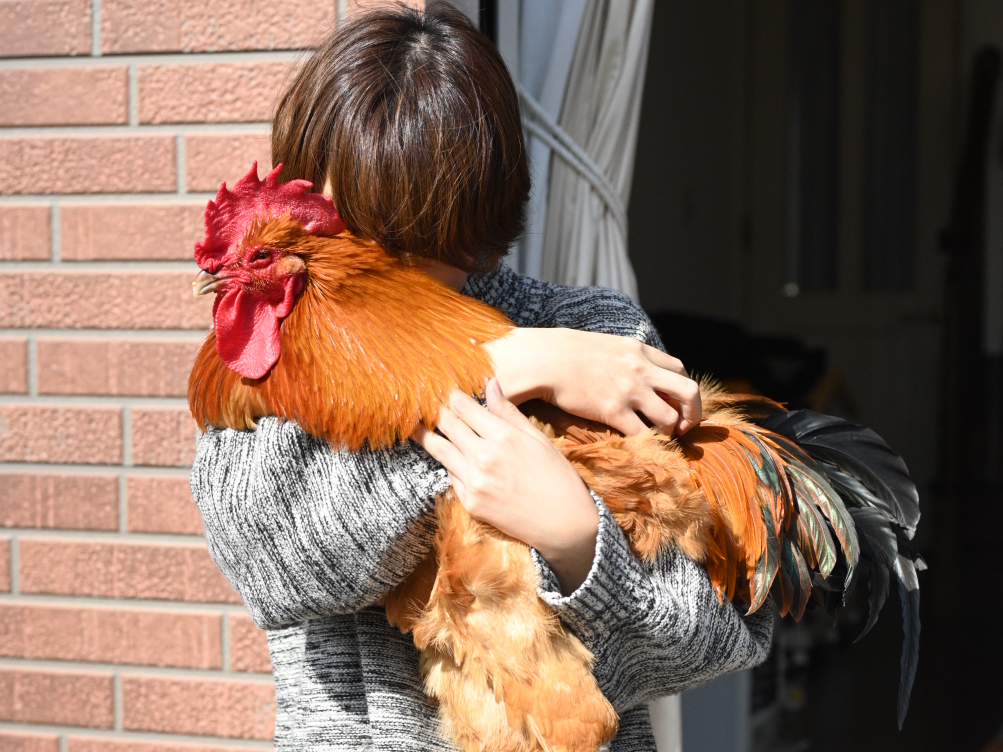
224 641
151 736
99 266
195 335
96 28
72 469
32 367
141 129
193 197
123 503
133 669
62 743
118 701
119 604
133 95
56 231
159 58
126 435
93 400
112 537
179 154
15 568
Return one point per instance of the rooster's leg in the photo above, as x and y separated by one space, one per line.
508 676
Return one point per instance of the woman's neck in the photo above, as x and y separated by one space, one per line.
448 275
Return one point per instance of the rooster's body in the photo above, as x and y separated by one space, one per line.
318 327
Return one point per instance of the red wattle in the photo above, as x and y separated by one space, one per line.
247 327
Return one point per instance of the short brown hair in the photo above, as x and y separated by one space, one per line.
414 120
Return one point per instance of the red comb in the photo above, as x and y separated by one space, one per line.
230 215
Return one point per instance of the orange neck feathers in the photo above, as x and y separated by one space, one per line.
360 363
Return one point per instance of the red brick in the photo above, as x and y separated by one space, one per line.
64 698
210 159
248 646
101 569
130 232
102 300
162 436
211 93
4 565
13 365
45 27
142 368
194 26
239 709
162 505
105 635
81 744
66 502
87 164
25 233
64 96
64 433
11 741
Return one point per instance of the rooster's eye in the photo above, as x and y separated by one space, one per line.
260 256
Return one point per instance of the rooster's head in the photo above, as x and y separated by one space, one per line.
249 259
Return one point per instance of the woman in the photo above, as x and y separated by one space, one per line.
410 121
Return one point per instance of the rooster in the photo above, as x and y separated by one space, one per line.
771 502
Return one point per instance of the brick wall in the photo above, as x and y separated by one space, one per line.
119 118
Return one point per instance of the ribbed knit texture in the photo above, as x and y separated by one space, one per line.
312 537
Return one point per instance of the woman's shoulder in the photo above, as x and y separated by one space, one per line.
533 303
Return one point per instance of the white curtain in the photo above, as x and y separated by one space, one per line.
545 46
581 66
585 236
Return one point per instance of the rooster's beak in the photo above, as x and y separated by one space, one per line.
205 283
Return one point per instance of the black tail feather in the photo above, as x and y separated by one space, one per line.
878 585
883 504
857 451
909 593
879 545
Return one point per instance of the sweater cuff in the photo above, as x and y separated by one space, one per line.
614 591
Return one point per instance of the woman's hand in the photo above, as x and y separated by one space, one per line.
602 377
508 474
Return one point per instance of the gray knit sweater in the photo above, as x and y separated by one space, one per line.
311 538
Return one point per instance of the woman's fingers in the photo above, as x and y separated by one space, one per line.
500 406
628 423
456 427
691 413
483 423
686 394
661 413
444 451
664 360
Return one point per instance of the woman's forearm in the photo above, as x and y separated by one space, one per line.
614 380
522 364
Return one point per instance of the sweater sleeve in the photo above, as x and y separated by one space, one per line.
653 629
302 531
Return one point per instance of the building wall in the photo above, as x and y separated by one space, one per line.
118 120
